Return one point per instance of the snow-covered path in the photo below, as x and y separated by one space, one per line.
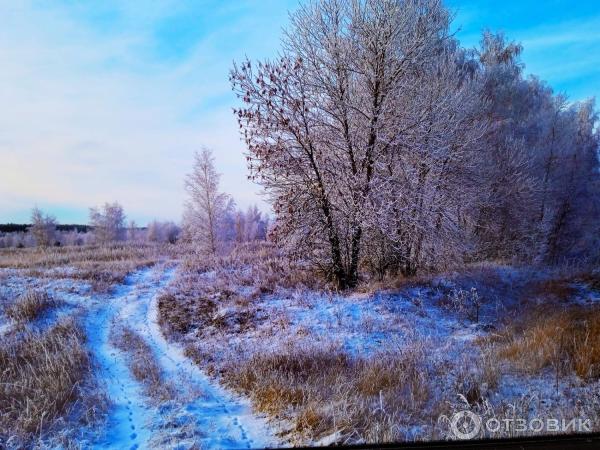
222 420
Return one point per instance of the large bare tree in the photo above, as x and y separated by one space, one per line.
361 88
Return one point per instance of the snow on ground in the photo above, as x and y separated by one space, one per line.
422 314
230 417
127 424
361 324
71 295
223 420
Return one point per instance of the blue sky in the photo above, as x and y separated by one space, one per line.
105 101
561 38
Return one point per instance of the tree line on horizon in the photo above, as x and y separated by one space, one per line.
107 224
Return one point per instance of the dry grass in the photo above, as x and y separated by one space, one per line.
567 341
260 265
223 310
30 306
179 314
102 266
142 363
257 269
553 289
41 378
324 391
507 418
591 278
476 376
562 284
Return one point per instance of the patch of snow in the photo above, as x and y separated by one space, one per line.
224 420
130 414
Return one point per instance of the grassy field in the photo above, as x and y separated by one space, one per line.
101 266
385 362
391 360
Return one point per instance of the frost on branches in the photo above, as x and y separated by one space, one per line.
382 143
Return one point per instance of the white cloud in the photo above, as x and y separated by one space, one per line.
91 115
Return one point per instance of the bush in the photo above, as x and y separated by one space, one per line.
465 303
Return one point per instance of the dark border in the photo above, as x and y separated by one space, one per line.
557 441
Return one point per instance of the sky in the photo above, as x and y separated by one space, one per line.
107 101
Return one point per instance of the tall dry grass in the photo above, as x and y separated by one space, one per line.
568 341
30 306
327 394
203 284
101 266
42 375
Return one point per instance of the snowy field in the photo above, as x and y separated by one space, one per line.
240 355
389 364
200 413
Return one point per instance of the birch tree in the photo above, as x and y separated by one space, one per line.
108 223
206 205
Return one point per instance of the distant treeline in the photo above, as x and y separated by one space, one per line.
22 227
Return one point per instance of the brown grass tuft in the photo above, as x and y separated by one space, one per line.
142 363
566 340
40 378
324 391
553 289
30 306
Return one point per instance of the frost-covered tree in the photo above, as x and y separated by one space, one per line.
383 144
43 228
250 225
361 89
73 237
108 223
162 232
132 231
570 225
153 232
539 165
206 205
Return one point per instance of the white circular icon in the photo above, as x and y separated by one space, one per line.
465 425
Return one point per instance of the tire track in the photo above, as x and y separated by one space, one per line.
223 420
129 415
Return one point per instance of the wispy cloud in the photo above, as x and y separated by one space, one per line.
96 107
108 100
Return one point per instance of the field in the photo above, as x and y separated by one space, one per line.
313 223
151 346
